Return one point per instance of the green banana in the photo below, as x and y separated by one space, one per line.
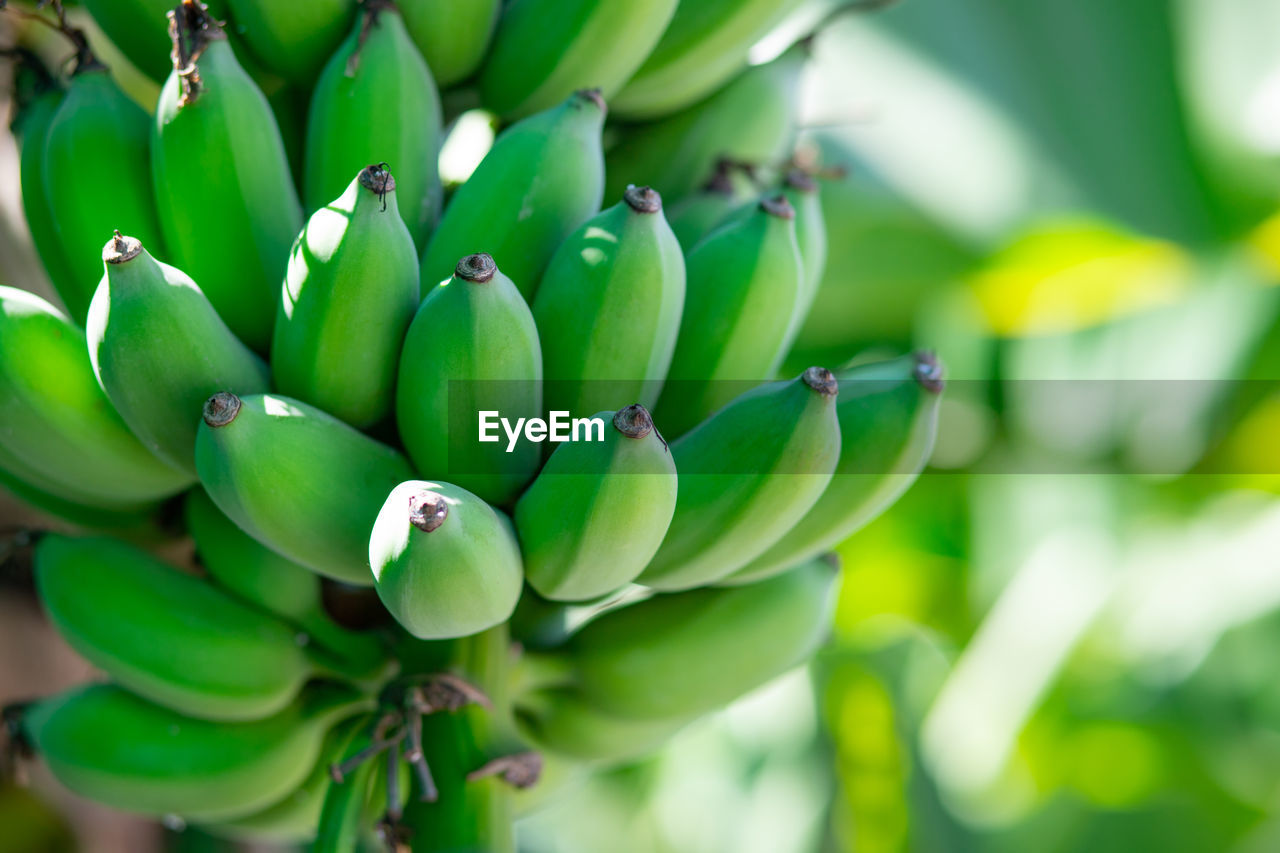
292 39
472 348
96 178
446 564
245 568
58 432
545 49
543 178
802 191
560 721
376 101
299 481
538 623
453 35
159 349
705 45
596 514
141 30
348 297
226 198
676 656
888 414
698 213
744 290
170 637
294 819
38 96
608 308
747 475
752 120
105 743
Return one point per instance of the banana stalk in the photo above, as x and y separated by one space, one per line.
475 757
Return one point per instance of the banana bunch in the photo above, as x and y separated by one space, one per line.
558 391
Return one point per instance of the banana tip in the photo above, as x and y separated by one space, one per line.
121 248
376 178
832 559
427 510
634 421
643 199
478 268
928 371
778 206
821 380
221 409
720 182
595 96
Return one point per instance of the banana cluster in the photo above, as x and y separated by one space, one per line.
291 333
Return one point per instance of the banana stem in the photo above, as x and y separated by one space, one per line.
84 58
475 813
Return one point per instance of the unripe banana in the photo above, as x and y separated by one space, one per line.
170 637
453 35
141 30
292 39
596 514
538 623
747 475
58 431
676 656
545 49
105 743
226 198
159 349
445 562
254 573
802 191
348 297
376 102
888 415
293 820
299 481
752 120
698 213
608 308
38 96
704 46
543 178
472 348
560 721
744 288
97 178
